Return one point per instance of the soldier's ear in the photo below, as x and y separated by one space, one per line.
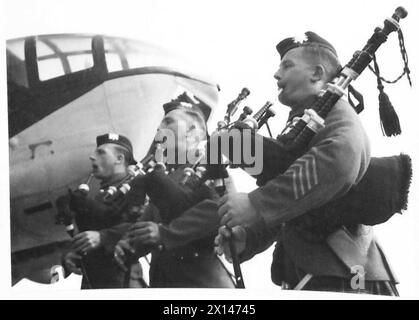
318 73
120 158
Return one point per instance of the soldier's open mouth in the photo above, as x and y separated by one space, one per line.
280 89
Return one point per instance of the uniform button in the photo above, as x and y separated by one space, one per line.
196 254
160 247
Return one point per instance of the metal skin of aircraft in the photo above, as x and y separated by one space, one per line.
63 91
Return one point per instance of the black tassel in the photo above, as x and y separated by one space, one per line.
389 120
390 124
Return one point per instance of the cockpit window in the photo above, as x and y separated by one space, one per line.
50 68
59 55
124 54
115 58
80 62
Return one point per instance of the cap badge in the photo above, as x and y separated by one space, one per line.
300 39
186 104
113 136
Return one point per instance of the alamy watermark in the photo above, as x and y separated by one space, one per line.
358 280
241 147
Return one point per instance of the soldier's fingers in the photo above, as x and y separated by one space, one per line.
223 200
77 256
142 233
121 263
217 240
83 249
228 257
119 257
70 264
145 238
77 271
79 245
78 242
79 236
74 270
218 248
138 232
76 248
118 252
132 235
239 233
222 210
73 257
124 245
231 223
221 228
226 251
128 247
224 232
225 219
139 225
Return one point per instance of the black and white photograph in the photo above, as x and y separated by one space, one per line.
209 150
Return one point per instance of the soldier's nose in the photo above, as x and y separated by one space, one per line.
276 75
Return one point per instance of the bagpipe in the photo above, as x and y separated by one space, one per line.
155 185
383 190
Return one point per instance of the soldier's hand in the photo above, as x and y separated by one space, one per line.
86 241
145 232
235 209
120 253
225 235
71 261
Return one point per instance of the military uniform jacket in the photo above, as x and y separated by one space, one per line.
336 160
186 258
109 221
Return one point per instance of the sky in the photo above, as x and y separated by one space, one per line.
233 42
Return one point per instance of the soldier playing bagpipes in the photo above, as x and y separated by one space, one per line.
177 230
310 206
100 223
